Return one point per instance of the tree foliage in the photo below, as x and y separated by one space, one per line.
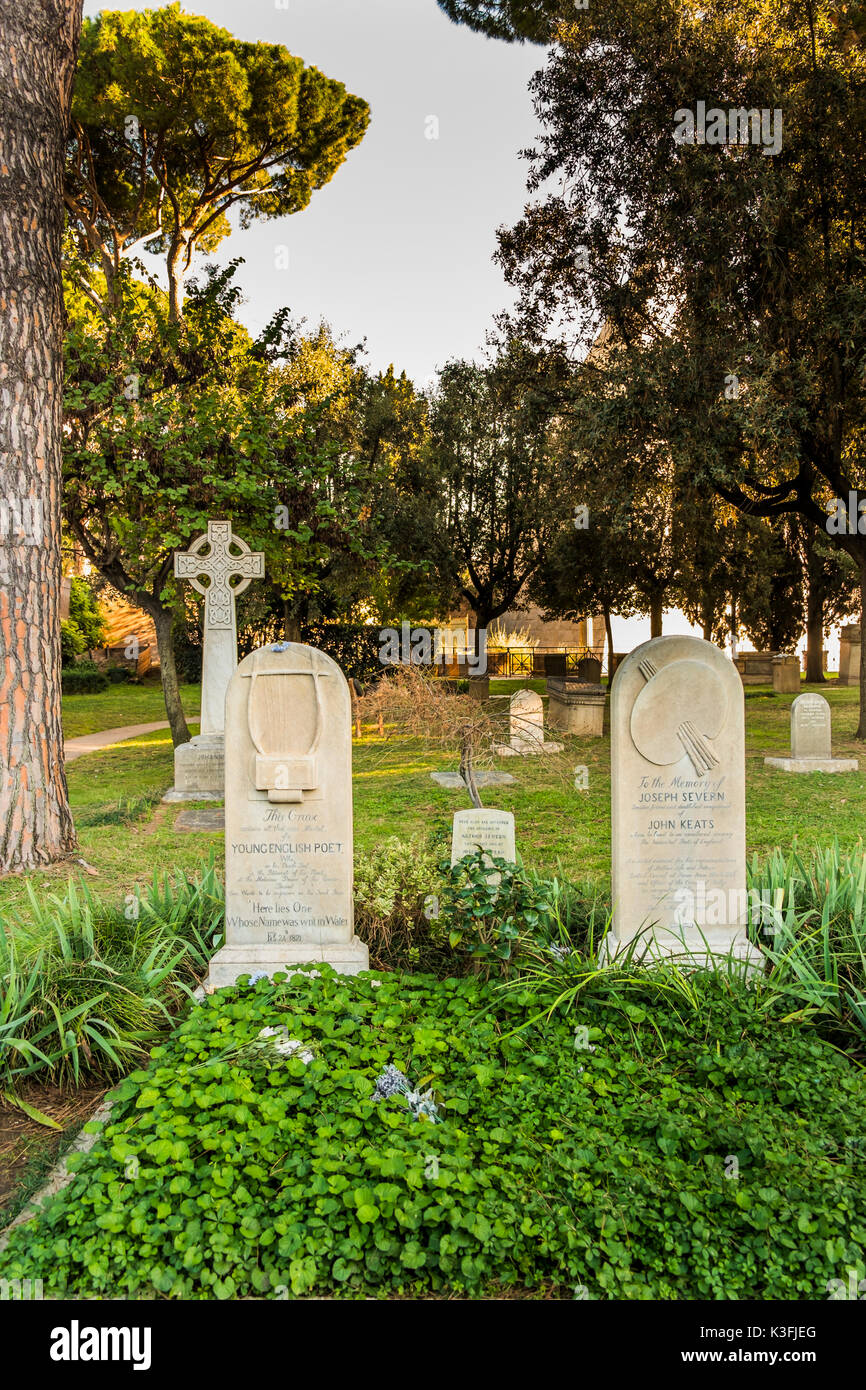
729 281
176 125
514 20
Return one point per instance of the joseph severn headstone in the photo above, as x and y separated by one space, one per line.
678 803
219 557
289 881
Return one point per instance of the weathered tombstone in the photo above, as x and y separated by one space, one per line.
810 726
755 668
678 817
491 831
589 670
199 766
811 749
849 655
576 708
526 727
484 777
289 880
786 674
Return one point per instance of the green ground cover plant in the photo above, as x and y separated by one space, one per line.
632 1148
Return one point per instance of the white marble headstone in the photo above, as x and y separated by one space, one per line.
810 726
678 801
526 727
526 720
288 814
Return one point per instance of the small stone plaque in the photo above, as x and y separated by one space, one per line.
454 782
492 831
212 819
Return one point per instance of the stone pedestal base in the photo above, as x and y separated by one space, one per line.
691 949
231 962
576 709
199 770
813 764
525 750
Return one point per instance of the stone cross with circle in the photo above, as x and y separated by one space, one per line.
220 566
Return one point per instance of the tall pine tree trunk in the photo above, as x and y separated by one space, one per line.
38 46
657 608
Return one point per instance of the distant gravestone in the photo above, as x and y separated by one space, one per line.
811 747
201 819
526 727
810 727
217 557
576 708
678 803
589 670
786 674
288 813
454 781
491 831
849 655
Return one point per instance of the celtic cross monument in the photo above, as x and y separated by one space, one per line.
217 558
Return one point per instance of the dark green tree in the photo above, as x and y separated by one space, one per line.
496 456
729 269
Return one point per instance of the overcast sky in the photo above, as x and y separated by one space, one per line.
397 248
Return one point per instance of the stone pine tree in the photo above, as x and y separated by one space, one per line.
38 44
514 20
176 125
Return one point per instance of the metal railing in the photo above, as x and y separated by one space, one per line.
514 662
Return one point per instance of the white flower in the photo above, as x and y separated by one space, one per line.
286 1046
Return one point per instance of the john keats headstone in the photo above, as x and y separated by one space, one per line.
678 802
491 831
288 816
211 564
811 749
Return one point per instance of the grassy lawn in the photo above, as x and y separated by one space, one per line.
558 827
121 705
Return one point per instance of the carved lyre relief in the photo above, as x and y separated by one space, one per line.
285 722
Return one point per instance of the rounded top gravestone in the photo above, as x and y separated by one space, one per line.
678 825
288 816
810 726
